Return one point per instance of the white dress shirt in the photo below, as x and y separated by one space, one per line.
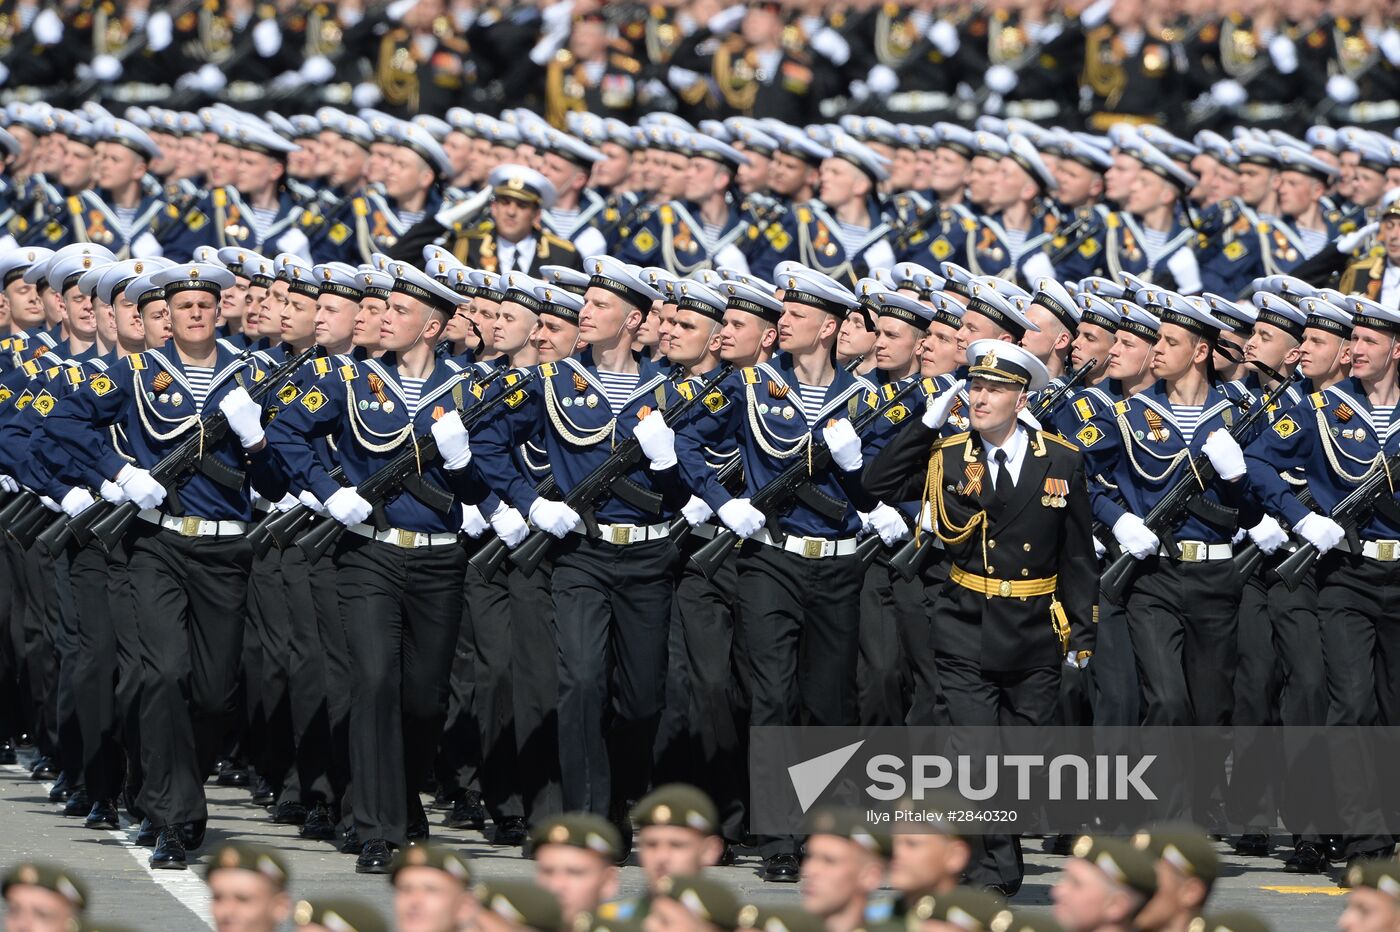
1390 286
516 257
1015 448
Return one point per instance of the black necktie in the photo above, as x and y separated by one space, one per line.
1003 485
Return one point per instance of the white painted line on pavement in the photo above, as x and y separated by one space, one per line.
185 886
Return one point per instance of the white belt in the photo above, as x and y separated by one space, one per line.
193 527
813 548
624 534
1265 111
1195 551
1032 109
408 540
1386 551
1372 111
919 101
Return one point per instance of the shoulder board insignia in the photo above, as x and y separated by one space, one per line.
23 400
322 365
43 403
714 401
1113 221
477 391
1262 226
1120 408
31 368
172 210
668 216
75 205
516 398
969 223
804 215
1285 426
313 400
138 362
548 370
50 372
348 373
258 374
513 377
889 390
101 385
872 400
1088 435
361 207
750 375
953 441
929 385
220 197
75 375
897 413
1318 399
1056 438
686 390
288 394
1084 408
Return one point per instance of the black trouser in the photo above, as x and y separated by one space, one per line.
94 669
978 697
65 645
928 706
1257 683
1359 608
458 763
489 714
401 610
888 605
673 755
12 717
612 614
717 706
534 665
188 596
129 667
39 650
802 633
1115 687
267 601
307 685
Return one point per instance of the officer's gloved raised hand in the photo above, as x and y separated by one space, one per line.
143 490
1225 455
696 511
941 405
1349 242
1135 537
553 517
741 517
844 443
473 522
454 446
888 523
1268 534
244 417
348 507
1320 531
509 525
658 441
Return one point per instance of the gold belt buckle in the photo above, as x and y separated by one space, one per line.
189 527
622 533
1385 550
812 547
407 539
1004 589
1191 551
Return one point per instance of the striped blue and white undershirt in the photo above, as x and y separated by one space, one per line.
199 378
813 397
1188 418
1380 420
617 388
412 391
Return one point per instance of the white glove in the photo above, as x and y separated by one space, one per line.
553 517
76 502
295 241
1228 93
454 446
859 90
696 511
882 80
741 517
267 38
944 36
658 441
347 507
140 487
727 19
941 405
844 443
509 525
287 81
1135 537
473 523
365 95
210 79
1320 531
311 502
285 503
9 484
111 492
992 104
399 9
146 246
1268 534
50 504
1000 79
1095 13
1037 266
47 28
106 68
1350 242
888 523
1099 548
1284 53
1186 270
1225 455
682 79
1389 44
244 417
828 43
1342 89
317 69
160 31
449 217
